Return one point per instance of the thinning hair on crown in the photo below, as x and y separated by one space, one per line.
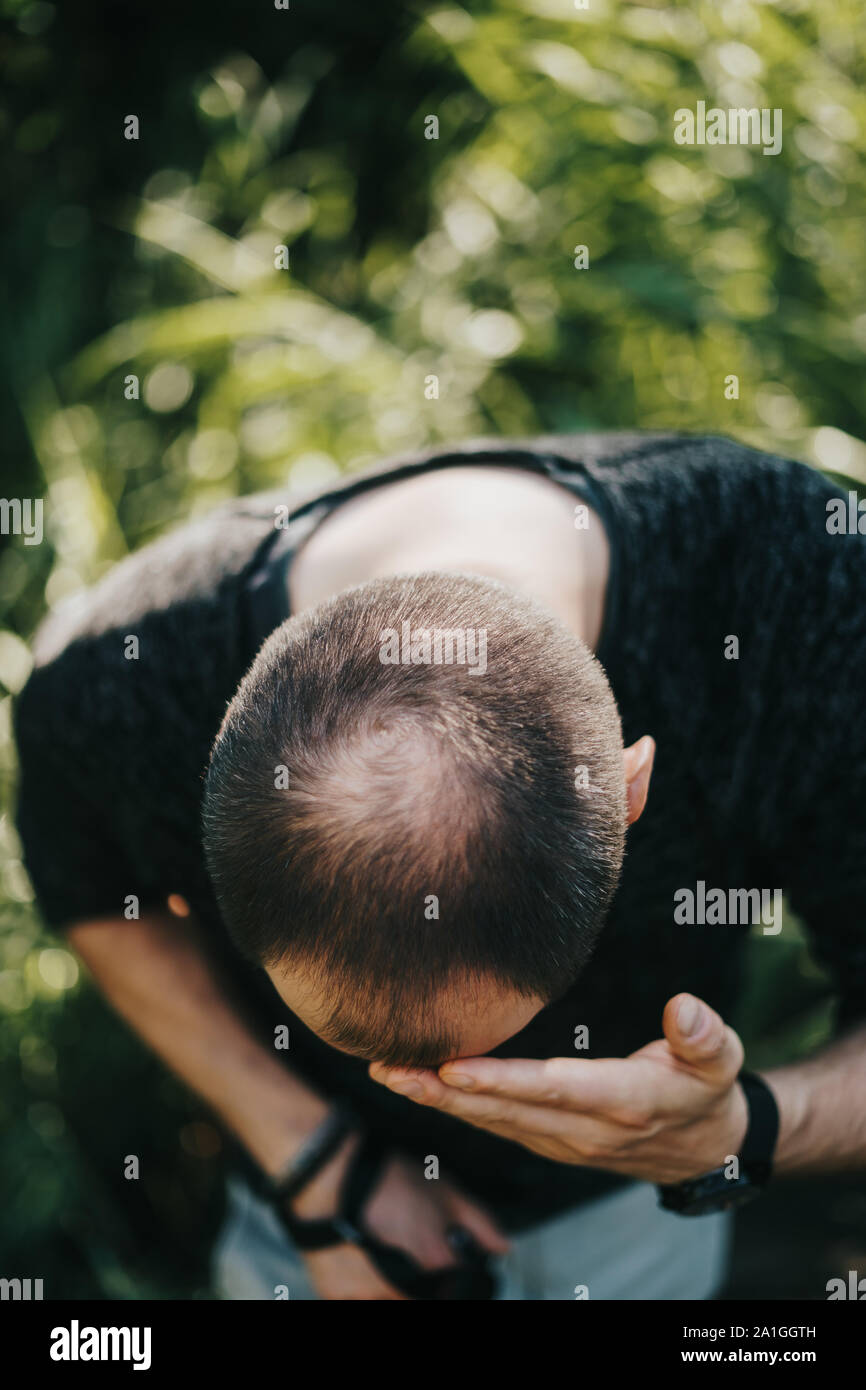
393 827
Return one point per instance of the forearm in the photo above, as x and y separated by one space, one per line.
156 975
822 1109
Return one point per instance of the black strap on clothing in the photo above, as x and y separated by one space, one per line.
470 1278
536 460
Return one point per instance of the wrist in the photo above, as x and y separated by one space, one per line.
735 1126
276 1145
721 1137
320 1197
742 1172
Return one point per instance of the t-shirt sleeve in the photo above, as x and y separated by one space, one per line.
64 820
809 781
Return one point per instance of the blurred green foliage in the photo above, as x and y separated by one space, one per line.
408 257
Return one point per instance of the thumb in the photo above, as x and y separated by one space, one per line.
696 1034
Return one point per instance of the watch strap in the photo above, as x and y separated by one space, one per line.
759 1145
717 1190
470 1278
312 1156
364 1169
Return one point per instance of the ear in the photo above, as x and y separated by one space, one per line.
638 765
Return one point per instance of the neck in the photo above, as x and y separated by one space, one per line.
501 523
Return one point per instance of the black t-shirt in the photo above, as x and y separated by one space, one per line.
759 781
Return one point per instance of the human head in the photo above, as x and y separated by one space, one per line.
420 854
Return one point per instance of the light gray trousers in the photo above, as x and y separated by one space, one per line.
622 1246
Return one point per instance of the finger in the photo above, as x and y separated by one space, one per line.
569 1083
485 1230
698 1035
407 1081
500 1114
562 1134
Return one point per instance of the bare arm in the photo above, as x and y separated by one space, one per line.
822 1107
157 976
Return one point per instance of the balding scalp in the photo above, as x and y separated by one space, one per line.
346 795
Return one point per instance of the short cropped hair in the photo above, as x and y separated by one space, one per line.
394 816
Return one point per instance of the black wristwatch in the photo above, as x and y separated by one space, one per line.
719 1190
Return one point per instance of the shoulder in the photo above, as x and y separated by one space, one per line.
182 569
177 597
686 466
706 499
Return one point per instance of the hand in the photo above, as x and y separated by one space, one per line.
671 1111
404 1209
